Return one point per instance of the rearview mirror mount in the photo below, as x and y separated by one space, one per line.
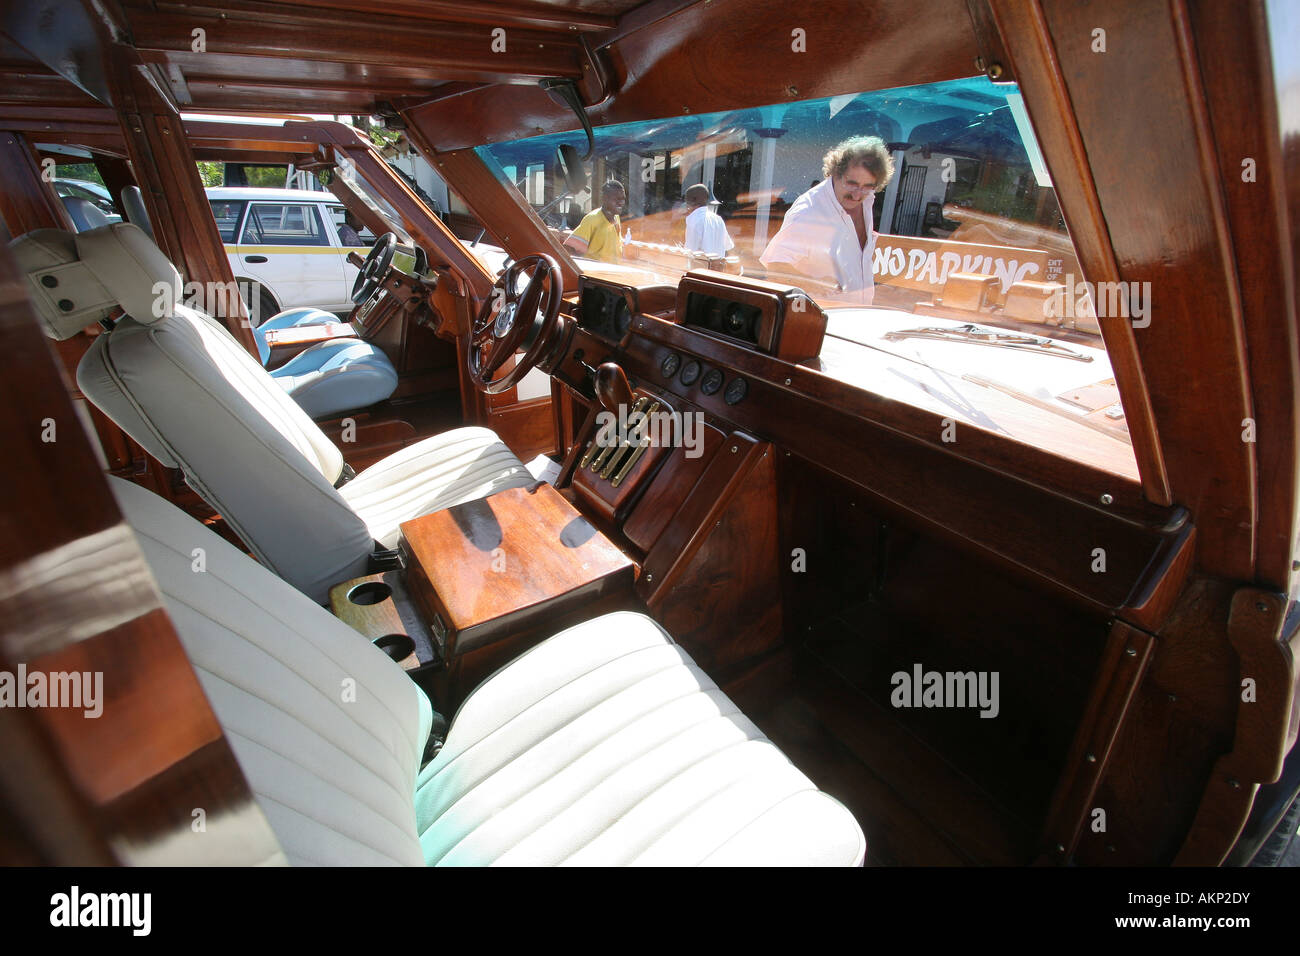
575 177
565 92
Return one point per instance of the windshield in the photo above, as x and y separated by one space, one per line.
965 191
377 203
923 219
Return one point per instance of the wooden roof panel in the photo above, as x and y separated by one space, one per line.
567 15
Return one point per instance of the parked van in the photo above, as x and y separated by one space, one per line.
285 243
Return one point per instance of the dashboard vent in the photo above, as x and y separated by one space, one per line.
735 320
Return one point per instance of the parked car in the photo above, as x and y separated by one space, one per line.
94 193
285 244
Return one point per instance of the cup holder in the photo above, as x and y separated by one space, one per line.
397 646
371 592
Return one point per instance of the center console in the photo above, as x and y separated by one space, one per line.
482 582
656 474
644 409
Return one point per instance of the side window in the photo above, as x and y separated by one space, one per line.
364 237
227 213
283 224
80 181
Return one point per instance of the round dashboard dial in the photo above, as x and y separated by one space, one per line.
736 391
711 382
690 372
671 363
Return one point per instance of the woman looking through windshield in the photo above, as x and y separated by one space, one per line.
827 233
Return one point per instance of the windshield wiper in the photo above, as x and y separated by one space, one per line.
979 335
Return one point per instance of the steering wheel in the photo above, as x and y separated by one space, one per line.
512 319
373 269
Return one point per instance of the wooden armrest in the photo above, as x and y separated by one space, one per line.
308 334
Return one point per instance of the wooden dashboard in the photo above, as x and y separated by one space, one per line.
1037 514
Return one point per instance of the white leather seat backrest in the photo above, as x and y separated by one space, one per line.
328 731
195 399
179 384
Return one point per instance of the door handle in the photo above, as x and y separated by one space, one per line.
254 258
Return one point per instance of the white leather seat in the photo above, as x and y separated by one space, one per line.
607 745
330 377
180 385
459 465
603 745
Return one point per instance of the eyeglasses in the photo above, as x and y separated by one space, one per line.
857 188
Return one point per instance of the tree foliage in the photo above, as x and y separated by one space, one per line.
86 172
212 173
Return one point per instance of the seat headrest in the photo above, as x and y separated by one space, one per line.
78 280
67 295
133 207
85 215
133 269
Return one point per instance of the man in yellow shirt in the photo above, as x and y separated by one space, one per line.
599 235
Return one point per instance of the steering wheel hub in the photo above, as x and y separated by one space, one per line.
505 319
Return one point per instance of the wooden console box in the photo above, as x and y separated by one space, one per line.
490 576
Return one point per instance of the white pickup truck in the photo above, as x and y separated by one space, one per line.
285 243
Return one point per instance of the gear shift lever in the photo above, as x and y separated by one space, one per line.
612 391
612 388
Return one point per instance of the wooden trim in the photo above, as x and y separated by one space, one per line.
505 13
736 458
1263 732
776 384
1162 209
130 778
426 228
178 208
1265 254
490 200
641 17
1123 665
1033 58
27 201
1155 595
446 51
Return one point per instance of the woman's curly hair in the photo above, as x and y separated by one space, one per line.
869 151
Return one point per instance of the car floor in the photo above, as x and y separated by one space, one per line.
914 804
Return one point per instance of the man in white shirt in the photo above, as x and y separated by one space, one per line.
706 233
827 233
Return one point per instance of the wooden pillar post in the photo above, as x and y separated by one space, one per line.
28 200
165 170
116 173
